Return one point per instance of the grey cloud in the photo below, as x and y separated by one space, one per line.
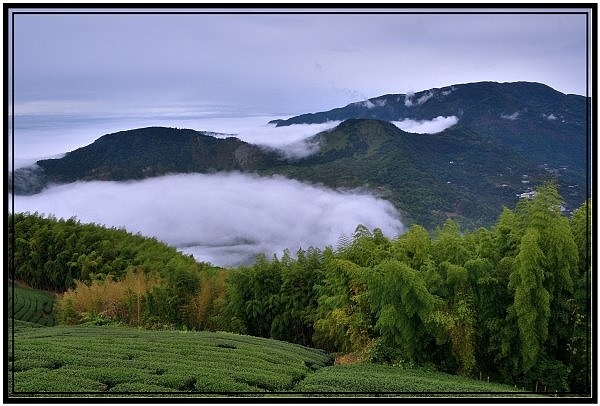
368 104
511 117
291 141
221 218
408 98
448 91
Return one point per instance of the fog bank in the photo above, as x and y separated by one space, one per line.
225 218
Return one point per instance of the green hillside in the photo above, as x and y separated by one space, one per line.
430 177
155 151
509 302
403 381
509 137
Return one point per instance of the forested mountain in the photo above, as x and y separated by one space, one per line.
509 137
509 300
149 152
429 177
539 122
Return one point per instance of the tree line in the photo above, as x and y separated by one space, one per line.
510 303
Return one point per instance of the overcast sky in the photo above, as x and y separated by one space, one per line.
280 64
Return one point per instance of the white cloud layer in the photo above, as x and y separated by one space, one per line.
225 219
438 124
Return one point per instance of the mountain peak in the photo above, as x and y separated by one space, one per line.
468 99
153 151
366 124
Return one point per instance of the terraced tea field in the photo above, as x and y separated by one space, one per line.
114 361
31 305
120 359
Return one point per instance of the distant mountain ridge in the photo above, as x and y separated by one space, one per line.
535 120
143 153
467 172
428 177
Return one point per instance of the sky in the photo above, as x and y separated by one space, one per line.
280 64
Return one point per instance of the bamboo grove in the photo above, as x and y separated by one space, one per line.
510 303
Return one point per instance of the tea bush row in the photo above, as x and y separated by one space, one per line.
31 305
368 378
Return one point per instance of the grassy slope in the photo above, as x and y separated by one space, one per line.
112 360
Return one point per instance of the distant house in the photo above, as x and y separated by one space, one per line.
527 195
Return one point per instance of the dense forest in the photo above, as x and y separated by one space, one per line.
510 302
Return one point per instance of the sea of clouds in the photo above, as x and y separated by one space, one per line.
226 219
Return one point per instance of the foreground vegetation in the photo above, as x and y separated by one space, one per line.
113 360
510 302
119 359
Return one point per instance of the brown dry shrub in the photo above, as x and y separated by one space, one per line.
117 300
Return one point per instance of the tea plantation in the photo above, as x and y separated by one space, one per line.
89 360
119 359
372 378
31 305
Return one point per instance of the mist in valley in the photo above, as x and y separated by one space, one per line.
225 219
